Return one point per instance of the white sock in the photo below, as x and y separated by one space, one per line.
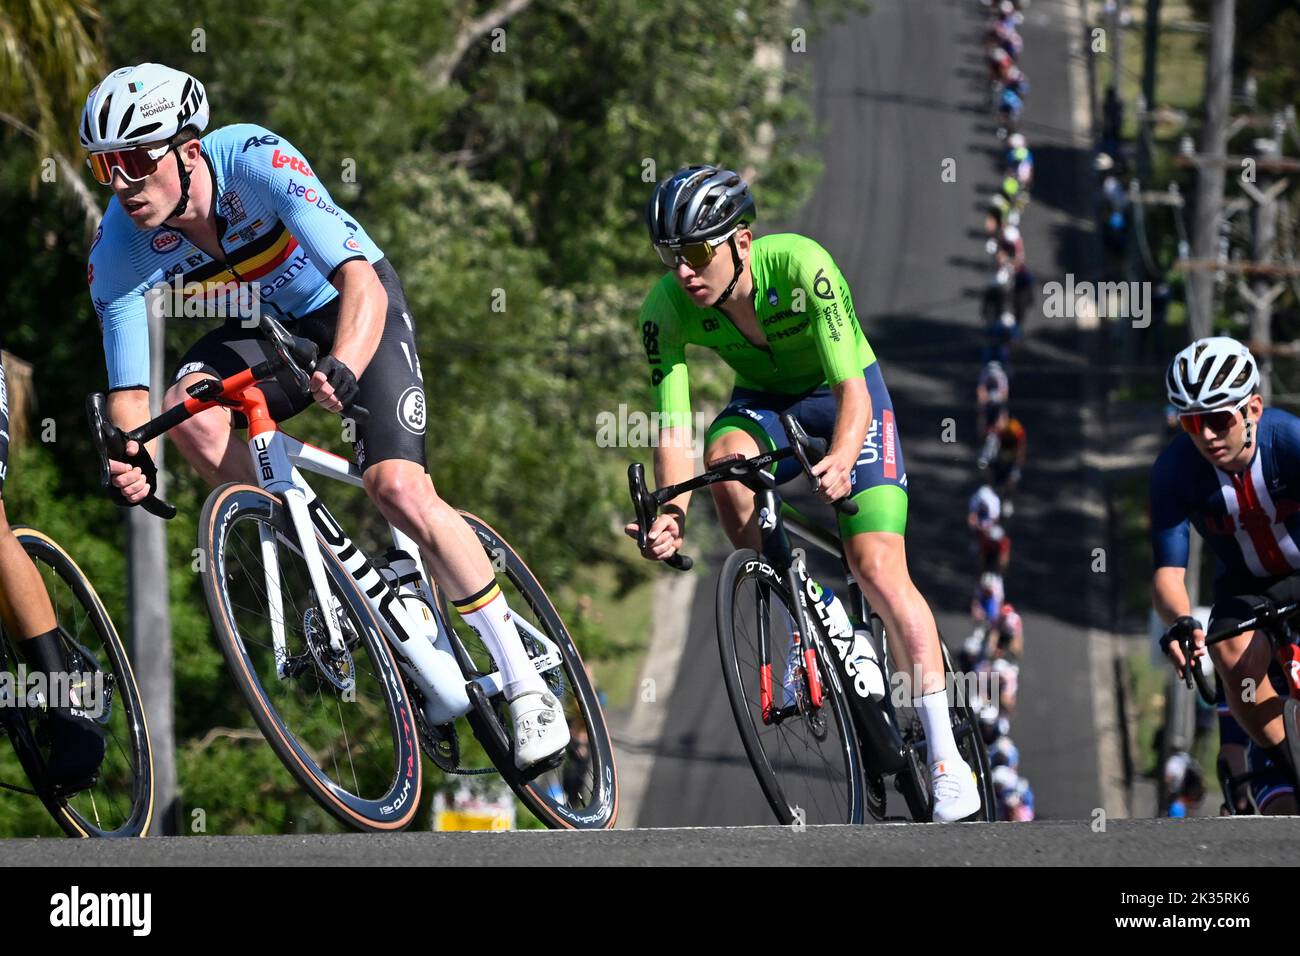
487 613
933 711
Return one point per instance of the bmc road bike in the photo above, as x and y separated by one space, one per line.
351 666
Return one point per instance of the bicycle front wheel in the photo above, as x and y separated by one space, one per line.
807 762
338 718
120 803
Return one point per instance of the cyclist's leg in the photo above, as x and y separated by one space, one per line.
746 427
390 452
1242 664
77 743
24 602
209 441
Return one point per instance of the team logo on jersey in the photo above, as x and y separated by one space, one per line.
710 325
352 244
99 234
232 207
280 160
267 140
411 410
90 273
822 286
165 242
772 297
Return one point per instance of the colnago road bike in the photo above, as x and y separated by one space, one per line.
819 743
346 662
119 800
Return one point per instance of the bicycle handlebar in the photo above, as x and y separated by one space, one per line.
298 355
647 503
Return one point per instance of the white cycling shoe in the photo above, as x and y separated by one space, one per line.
955 793
540 728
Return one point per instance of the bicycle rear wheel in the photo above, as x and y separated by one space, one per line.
121 801
340 721
808 765
582 792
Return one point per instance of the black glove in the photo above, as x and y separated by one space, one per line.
1184 626
340 379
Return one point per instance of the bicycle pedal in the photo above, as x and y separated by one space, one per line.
553 762
483 707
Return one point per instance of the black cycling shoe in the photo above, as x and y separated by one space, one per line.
77 748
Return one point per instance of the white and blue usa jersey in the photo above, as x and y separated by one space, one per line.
276 224
1249 519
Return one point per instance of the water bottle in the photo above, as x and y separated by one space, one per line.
861 662
402 573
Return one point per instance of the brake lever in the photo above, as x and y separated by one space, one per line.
805 448
110 444
642 503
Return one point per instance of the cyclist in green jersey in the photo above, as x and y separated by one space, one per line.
779 312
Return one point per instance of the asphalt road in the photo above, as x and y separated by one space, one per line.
897 92
1207 843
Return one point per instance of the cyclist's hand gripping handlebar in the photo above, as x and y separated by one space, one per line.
646 509
110 444
299 356
809 451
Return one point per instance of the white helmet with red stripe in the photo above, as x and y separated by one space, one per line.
1211 373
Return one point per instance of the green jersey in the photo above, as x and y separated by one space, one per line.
804 309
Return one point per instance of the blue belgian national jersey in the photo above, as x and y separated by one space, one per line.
1250 519
277 226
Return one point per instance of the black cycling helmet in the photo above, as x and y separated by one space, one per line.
698 203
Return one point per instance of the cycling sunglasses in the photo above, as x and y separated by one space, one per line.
697 255
135 164
1218 422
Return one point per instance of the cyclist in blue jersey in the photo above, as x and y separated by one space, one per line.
239 221
76 739
1234 473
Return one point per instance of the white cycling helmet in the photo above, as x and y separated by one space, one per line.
147 103
1211 373
1016 140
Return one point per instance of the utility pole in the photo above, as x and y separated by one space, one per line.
151 635
1209 192
1261 293
1150 51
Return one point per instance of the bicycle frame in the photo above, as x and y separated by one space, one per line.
433 656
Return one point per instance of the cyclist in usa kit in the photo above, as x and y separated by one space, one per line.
779 312
1235 475
242 209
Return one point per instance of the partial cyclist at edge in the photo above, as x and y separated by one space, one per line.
242 205
778 310
1234 474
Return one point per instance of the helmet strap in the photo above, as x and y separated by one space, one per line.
185 184
735 276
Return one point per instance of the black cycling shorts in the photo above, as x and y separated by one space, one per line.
392 388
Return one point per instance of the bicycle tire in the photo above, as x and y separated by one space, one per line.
1291 716
394 806
85 813
739 567
556 798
